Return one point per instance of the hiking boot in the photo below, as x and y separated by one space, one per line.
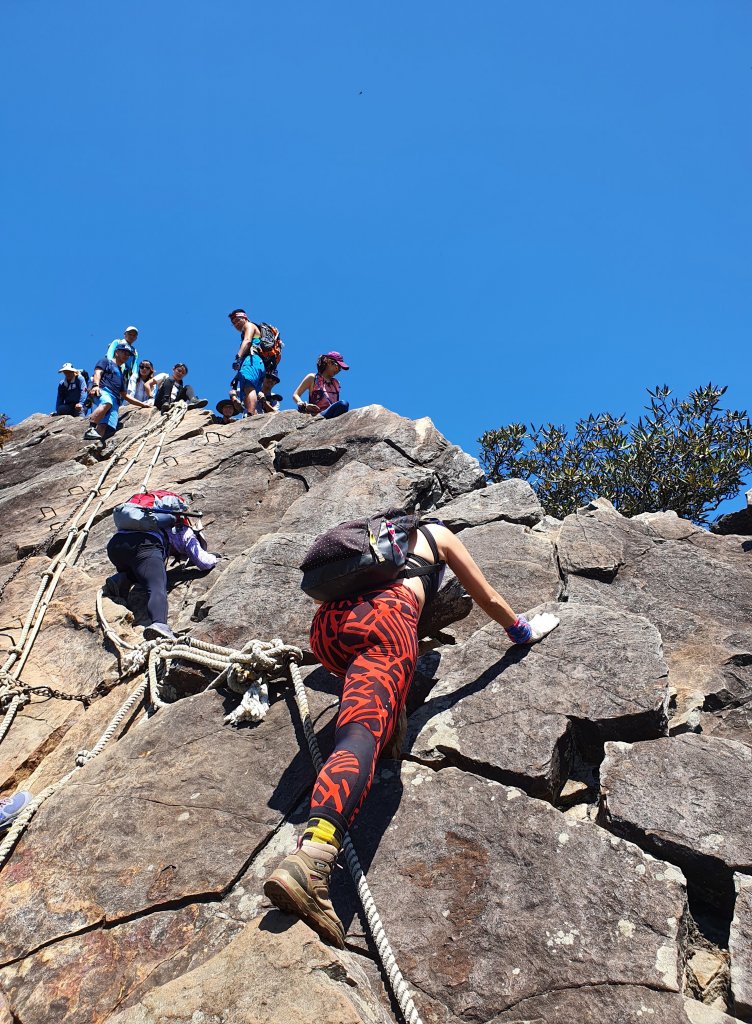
159 631
92 435
12 806
300 886
116 587
198 403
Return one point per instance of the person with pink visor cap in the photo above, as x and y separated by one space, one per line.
322 388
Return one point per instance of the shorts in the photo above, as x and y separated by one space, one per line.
251 374
111 419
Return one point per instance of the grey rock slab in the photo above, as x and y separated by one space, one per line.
356 433
84 978
173 811
501 898
615 1004
667 525
357 490
687 799
519 564
740 947
273 972
696 590
68 656
514 501
738 522
508 709
258 595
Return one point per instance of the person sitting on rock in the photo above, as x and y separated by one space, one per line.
268 399
108 388
143 385
71 392
371 642
322 388
228 409
174 390
248 363
140 557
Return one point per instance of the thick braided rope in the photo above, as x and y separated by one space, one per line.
19 824
397 981
84 756
16 702
77 536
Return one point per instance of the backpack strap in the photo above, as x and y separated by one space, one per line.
431 543
424 570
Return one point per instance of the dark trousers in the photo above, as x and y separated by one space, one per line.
141 558
67 409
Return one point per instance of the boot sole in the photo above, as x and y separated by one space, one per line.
286 894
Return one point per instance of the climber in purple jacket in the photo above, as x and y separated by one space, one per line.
140 557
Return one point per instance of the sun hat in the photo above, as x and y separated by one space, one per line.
236 406
131 328
336 357
66 367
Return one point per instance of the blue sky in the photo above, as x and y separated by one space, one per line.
497 211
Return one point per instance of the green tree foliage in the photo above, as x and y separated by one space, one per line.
688 456
4 431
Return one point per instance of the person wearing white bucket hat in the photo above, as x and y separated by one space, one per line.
71 392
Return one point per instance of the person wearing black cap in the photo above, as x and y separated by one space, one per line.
108 387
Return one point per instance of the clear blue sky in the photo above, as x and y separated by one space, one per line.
497 211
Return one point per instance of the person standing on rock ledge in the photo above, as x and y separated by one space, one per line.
371 642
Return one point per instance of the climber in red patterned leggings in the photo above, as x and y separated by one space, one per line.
371 642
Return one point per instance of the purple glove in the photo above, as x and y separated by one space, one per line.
520 632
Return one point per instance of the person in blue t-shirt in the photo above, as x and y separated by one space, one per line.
108 387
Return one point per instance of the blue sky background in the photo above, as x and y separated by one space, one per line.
497 211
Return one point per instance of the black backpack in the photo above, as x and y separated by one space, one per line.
360 555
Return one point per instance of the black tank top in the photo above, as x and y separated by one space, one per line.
431 581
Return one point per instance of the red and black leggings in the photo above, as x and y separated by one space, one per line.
370 641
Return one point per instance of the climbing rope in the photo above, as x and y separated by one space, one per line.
71 549
248 672
397 981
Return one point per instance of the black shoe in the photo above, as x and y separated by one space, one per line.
198 403
116 587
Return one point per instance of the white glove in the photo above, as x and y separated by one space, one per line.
542 624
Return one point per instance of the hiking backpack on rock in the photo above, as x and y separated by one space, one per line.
154 510
359 555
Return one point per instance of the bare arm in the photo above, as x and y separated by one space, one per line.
250 331
134 401
467 571
305 385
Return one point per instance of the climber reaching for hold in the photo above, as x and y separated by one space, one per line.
150 527
370 640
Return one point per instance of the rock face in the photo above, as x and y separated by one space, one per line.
685 799
736 522
740 947
135 894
